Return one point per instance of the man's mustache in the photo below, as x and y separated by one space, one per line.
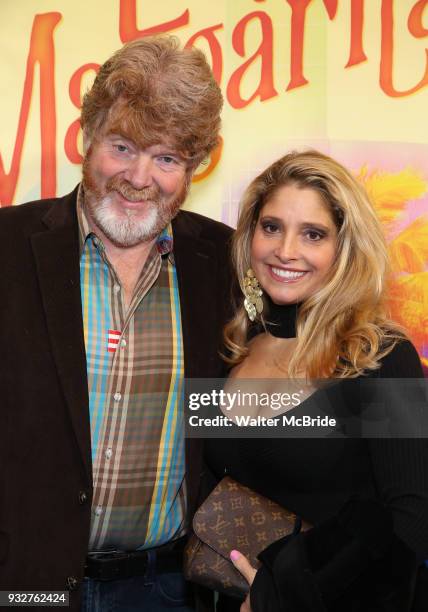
129 192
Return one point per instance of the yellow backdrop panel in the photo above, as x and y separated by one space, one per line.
346 76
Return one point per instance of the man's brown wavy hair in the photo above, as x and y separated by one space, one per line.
150 91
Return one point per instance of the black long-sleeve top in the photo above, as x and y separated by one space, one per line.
367 499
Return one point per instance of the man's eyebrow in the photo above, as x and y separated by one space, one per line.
167 147
117 136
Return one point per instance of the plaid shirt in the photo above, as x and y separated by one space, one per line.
135 378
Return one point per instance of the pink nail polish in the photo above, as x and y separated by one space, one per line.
234 555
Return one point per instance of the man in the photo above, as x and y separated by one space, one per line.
105 309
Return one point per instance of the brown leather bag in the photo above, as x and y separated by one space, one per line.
233 517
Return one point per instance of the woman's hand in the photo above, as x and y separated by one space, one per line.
247 570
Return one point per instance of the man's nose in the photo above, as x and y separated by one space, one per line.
139 173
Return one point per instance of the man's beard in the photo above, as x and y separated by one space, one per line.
125 228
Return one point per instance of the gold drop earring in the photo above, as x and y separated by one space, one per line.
253 302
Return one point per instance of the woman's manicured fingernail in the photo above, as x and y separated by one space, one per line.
234 555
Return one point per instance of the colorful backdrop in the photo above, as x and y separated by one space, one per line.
348 77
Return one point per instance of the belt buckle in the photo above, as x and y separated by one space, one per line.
114 565
103 554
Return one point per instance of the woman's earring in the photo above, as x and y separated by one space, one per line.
253 302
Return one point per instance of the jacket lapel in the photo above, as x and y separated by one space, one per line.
196 264
56 251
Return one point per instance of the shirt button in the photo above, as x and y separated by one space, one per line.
83 497
98 510
116 288
117 397
123 343
108 454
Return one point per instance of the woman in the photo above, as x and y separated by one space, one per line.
309 240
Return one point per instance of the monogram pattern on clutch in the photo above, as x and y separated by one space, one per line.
232 517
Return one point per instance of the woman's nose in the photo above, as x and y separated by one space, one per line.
288 248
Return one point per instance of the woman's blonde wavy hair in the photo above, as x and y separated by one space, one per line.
343 329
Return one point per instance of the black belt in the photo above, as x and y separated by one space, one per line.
116 565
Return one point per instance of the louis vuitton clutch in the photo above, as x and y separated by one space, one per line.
233 517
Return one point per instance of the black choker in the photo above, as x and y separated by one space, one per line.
281 320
